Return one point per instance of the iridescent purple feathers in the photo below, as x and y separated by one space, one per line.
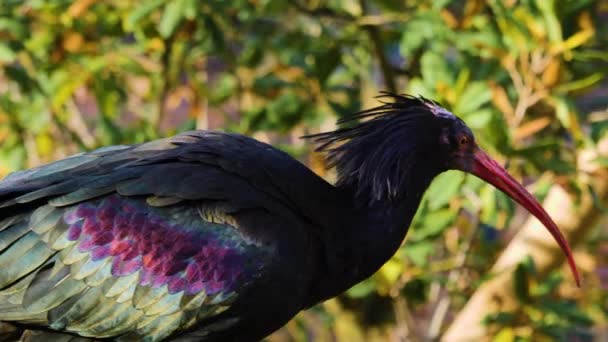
140 239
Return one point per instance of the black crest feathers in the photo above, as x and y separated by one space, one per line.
375 148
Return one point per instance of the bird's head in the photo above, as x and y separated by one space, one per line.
393 151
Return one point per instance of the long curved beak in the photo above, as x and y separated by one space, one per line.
487 169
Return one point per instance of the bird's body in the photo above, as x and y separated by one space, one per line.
206 235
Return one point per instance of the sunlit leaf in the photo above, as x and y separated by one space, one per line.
172 14
418 252
7 54
362 289
475 95
434 224
435 70
443 188
504 335
142 10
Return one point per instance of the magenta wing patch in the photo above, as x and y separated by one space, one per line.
187 257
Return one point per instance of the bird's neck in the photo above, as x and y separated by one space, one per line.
383 225
368 235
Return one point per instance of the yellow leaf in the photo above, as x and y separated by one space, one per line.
44 145
551 73
577 39
585 21
501 100
531 128
449 18
156 44
4 170
72 42
388 274
505 335
79 7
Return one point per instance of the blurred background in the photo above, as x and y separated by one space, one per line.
529 77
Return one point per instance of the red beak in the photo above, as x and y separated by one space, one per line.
487 169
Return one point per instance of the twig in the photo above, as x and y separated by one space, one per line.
202 103
375 37
78 126
527 96
33 158
64 128
165 62
382 19
406 327
443 303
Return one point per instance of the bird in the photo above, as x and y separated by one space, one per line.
215 236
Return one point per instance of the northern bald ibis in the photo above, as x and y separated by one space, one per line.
216 236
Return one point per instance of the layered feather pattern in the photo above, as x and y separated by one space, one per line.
137 239
149 241
114 265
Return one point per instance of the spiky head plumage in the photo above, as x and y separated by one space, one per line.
376 148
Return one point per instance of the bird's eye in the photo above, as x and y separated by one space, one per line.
464 140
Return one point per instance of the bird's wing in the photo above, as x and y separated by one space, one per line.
154 167
139 240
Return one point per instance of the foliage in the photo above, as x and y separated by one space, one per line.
545 314
527 76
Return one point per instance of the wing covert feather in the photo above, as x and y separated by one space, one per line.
116 265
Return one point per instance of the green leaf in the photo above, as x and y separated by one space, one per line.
581 83
418 87
552 24
7 55
433 224
475 95
440 4
502 318
597 202
489 211
223 89
16 26
326 63
171 18
362 289
548 285
521 283
426 27
190 9
435 70
268 84
562 111
66 89
443 188
603 161
418 252
479 119
215 32
144 10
